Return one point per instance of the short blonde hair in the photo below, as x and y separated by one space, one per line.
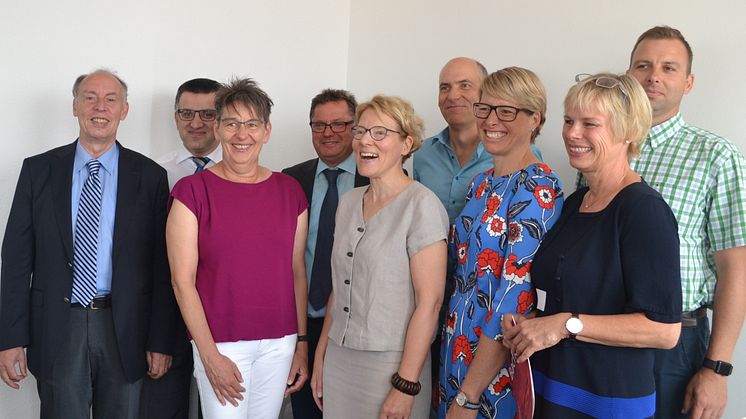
625 104
402 112
521 86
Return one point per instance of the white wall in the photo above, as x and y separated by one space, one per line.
295 48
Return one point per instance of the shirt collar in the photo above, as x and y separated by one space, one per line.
183 154
662 132
444 138
108 160
348 165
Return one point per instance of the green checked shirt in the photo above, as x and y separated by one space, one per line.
702 178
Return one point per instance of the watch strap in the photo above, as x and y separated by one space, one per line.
467 404
720 367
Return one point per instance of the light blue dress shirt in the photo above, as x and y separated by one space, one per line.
345 183
436 166
109 175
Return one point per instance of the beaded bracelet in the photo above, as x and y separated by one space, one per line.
405 386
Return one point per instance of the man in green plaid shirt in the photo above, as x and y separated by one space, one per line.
702 178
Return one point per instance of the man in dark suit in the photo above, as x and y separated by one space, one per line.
85 278
332 116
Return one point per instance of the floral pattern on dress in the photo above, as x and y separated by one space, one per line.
491 248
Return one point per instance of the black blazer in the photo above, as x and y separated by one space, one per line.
37 257
305 174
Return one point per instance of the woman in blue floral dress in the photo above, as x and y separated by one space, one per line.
493 241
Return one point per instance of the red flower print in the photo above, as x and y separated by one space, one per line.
462 253
480 189
451 323
525 301
544 196
500 382
489 314
544 168
493 203
496 226
478 331
515 233
462 349
489 261
516 271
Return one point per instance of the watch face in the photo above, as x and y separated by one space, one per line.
461 399
574 325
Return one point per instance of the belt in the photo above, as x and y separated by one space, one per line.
689 318
97 303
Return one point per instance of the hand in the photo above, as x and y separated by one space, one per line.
397 405
458 412
298 369
9 358
317 381
224 377
158 364
532 335
706 395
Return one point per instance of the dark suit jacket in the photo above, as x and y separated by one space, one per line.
305 173
37 257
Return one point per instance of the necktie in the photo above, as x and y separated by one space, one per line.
86 236
321 272
200 162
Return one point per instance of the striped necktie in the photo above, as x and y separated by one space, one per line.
201 163
86 236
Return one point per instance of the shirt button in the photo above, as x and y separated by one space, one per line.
349 254
557 278
347 282
360 229
346 309
66 300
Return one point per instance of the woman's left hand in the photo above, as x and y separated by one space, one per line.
528 336
298 369
458 412
397 405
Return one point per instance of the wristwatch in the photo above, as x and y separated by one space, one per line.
464 402
720 367
574 325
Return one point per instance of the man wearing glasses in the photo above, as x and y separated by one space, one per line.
195 117
701 177
324 180
168 397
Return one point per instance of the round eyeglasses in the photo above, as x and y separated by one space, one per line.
204 114
503 112
337 126
377 133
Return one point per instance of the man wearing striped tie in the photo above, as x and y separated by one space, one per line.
194 113
85 279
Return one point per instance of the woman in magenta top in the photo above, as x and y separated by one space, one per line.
236 235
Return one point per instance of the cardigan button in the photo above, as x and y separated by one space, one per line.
349 254
347 282
346 309
360 229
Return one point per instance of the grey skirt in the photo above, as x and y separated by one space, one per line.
356 383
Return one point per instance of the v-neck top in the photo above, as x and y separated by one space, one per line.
371 279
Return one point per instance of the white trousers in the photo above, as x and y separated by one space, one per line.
264 366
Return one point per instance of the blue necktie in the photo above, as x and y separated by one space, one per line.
321 273
201 163
86 236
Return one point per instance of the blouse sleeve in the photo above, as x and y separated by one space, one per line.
429 222
649 245
184 191
531 212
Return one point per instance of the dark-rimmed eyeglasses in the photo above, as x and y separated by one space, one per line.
204 114
337 126
232 125
503 112
603 81
377 133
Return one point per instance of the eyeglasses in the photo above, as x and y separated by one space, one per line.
377 133
337 126
504 113
233 125
603 81
204 114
